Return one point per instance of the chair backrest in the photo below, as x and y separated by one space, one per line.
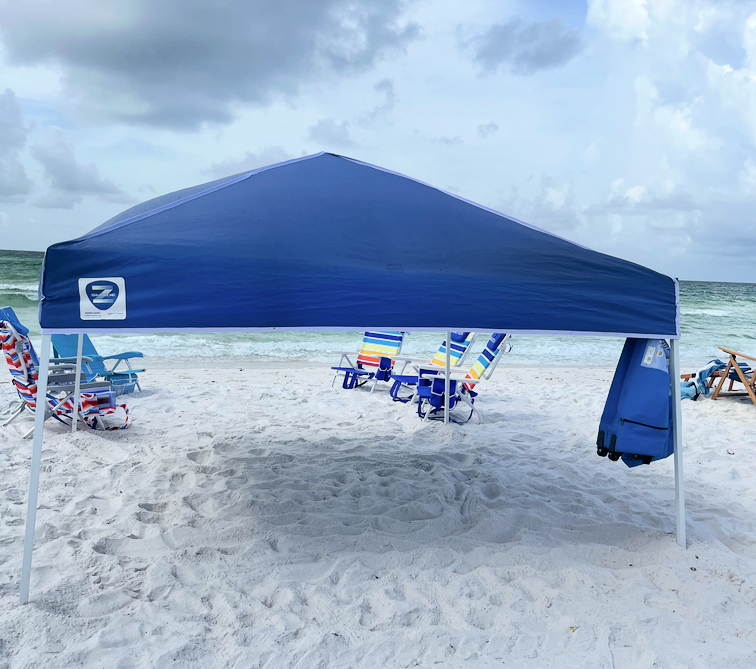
21 360
460 346
486 362
376 345
7 314
22 363
65 346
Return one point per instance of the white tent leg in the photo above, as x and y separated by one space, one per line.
447 384
677 429
77 384
39 426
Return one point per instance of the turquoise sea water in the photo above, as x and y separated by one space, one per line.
712 314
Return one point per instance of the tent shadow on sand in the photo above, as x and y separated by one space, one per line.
375 496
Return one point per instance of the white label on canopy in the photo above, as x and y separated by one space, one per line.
102 299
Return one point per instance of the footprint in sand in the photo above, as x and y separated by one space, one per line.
150 513
200 457
158 507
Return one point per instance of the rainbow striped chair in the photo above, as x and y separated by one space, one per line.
375 360
460 347
96 401
431 386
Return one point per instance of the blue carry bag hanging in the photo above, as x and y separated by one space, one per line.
637 421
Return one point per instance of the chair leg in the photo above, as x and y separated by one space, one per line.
468 400
744 381
725 374
15 415
48 414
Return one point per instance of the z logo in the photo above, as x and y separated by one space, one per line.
102 294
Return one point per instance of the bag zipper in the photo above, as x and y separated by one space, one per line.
635 422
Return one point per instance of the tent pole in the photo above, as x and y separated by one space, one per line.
77 383
447 384
39 426
677 431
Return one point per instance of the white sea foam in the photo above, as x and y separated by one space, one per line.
705 312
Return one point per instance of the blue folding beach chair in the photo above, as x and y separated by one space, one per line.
375 360
431 384
123 380
460 347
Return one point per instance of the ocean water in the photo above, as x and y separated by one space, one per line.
712 314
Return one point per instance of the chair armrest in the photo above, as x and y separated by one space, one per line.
124 356
439 373
122 372
735 353
68 361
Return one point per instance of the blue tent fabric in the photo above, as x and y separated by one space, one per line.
326 242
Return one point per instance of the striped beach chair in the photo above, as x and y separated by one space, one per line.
97 400
460 347
486 363
374 361
431 386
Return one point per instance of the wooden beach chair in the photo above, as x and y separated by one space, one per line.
742 374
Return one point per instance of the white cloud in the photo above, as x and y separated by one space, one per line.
621 19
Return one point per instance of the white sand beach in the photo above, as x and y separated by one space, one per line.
257 517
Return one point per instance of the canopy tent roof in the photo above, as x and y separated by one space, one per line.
329 243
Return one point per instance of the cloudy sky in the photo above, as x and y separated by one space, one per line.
625 125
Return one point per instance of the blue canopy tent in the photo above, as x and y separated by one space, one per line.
326 242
